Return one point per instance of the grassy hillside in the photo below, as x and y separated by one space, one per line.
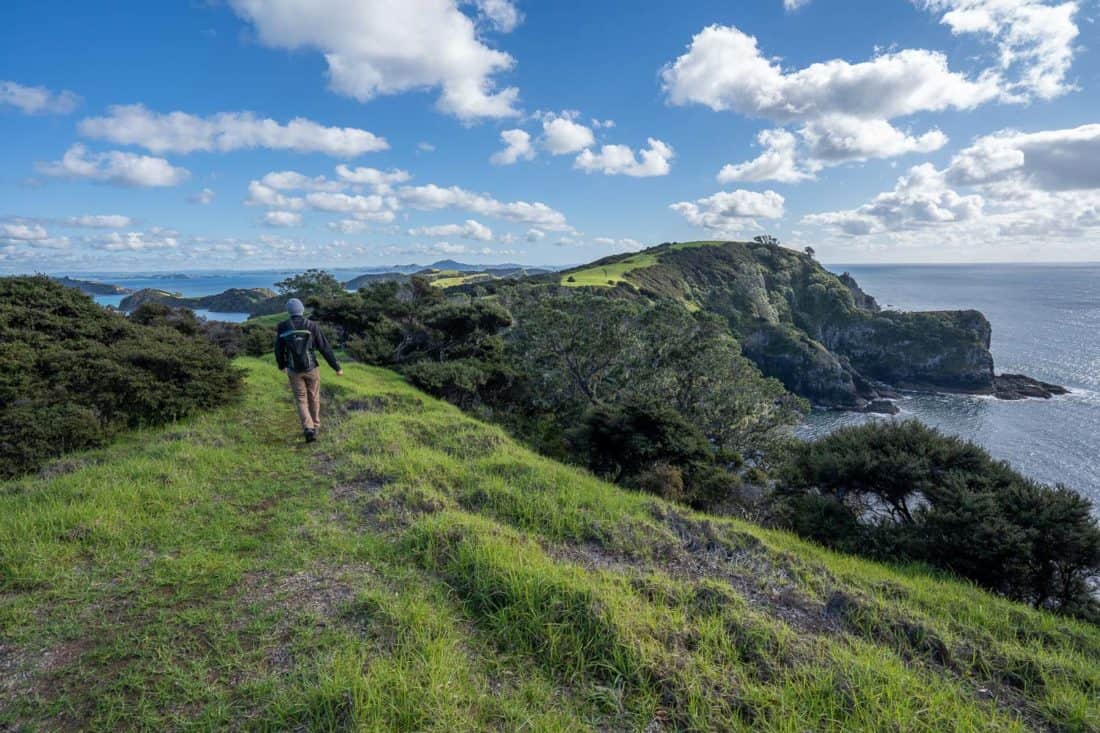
418 570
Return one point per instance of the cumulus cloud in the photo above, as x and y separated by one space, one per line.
260 194
100 221
517 147
470 229
1034 38
179 132
731 211
535 235
562 135
378 179
282 219
37 100
1005 187
124 169
155 238
778 162
920 199
839 138
203 198
379 47
432 197
348 203
501 14
23 232
792 5
843 109
724 70
613 160
1052 160
348 226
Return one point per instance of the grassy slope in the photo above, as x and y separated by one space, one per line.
417 570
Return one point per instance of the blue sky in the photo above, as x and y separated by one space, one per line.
258 133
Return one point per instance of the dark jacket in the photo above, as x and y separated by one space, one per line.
319 341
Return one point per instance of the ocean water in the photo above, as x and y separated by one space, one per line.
1046 324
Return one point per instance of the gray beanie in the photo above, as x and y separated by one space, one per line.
294 307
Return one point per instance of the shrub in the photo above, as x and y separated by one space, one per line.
73 374
905 491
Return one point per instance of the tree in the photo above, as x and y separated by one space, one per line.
903 491
766 239
312 283
809 251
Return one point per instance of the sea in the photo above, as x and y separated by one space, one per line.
1046 324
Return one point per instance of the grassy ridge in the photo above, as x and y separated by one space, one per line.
418 570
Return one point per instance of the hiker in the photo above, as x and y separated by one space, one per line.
295 344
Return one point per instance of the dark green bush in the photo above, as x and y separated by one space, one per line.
904 491
72 374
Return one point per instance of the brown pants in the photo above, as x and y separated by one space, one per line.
307 394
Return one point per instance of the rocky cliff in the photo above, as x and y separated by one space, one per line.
817 332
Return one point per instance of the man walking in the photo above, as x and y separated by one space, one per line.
296 343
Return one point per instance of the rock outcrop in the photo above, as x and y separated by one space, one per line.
820 334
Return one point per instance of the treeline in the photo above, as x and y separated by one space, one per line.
655 397
72 374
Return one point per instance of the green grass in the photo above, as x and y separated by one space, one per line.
418 570
605 276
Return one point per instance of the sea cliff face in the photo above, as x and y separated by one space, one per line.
819 333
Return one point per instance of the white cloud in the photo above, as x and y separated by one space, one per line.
920 199
1034 38
731 211
535 235
620 160
844 108
348 204
838 138
283 219
425 147
37 100
1052 160
348 226
431 197
295 181
471 229
562 135
100 221
501 14
1013 189
380 180
517 147
23 232
778 162
179 132
792 5
260 194
125 169
380 47
602 124
155 238
724 70
203 198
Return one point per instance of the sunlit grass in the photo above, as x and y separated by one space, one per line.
418 570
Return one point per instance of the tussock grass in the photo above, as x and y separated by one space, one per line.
418 570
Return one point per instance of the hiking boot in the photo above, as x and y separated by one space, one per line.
311 435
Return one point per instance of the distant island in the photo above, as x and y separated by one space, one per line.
92 287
